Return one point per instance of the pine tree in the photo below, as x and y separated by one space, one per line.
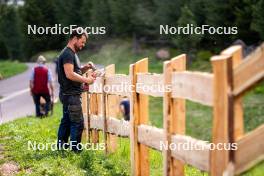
168 11
258 18
10 31
120 12
42 14
187 42
100 14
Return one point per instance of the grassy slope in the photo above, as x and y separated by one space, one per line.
14 137
11 68
199 122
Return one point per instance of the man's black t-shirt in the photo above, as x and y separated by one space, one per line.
68 87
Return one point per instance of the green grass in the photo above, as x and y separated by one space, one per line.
14 136
10 68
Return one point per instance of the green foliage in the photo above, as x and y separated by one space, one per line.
168 11
10 68
187 42
258 20
119 52
244 16
10 34
42 14
135 19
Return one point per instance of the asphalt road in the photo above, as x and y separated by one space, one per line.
16 100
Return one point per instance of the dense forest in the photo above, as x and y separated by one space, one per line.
129 19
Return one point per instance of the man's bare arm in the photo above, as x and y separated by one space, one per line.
70 74
31 85
51 88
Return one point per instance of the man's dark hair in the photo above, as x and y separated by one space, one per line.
78 32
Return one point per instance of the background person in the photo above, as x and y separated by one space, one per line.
41 86
125 108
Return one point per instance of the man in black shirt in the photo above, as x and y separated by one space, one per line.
70 79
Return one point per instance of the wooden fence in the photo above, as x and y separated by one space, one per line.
222 90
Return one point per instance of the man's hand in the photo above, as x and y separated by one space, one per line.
90 80
87 66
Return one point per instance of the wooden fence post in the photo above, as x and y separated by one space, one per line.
85 115
173 116
236 53
88 117
94 105
219 159
139 115
110 111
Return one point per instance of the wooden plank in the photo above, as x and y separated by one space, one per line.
117 84
97 122
118 127
111 109
191 151
249 72
88 117
139 152
150 84
250 150
194 86
220 114
173 115
235 52
114 126
85 115
150 136
133 122
94 111
238 129
184 148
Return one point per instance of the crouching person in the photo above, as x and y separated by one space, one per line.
41 86
70 79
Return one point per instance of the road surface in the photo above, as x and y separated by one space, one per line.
16 100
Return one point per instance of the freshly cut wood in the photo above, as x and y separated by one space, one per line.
118 84
114 126
173 115
96 122
118 127
195 86
150 84
220 130
139 152
184 148
191 151
97 86
85 113
250 150
235 52
249 72
150 136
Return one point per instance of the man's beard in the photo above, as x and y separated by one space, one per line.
77 49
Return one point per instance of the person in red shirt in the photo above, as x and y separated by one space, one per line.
41 86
